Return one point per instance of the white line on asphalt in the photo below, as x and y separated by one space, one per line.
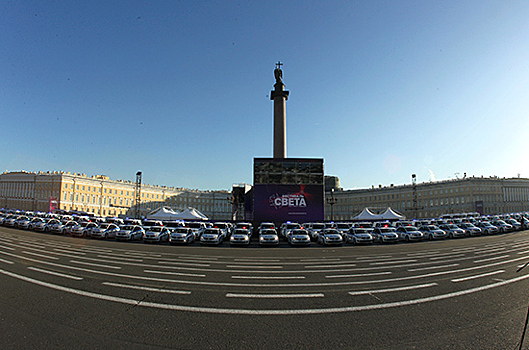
168 262
55 273
374 257
174 273
96 265
325 266
232 311
423 254
8 248
6 261
319 260
389 290
197 257
393 262
447 257
432 267
68 251
487 251
269 277
490 259
40 255
477 276
118 259
149 289
274 296
360 275
254 267
258 260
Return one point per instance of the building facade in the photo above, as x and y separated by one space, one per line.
487 196
99 195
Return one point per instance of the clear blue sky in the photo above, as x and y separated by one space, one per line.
180 89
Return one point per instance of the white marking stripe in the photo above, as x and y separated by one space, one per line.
119 258
393 262
432 267
68 251
489 259
360 275
274 296
96 265
477 276
7 261
325 266
55 273
263 312
174 273
40 255
254 267
399 289
149 289
270 277
257 260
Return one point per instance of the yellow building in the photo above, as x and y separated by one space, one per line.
101 196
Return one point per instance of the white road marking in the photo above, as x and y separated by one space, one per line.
477 276
96 265
447 257
258 260
360 275
269 277
392 262
325 266
40 255
68 251
118 259
254 267
174 273
432 267
232 311
149 289
389 290
490 259
6 261
55 273
274 296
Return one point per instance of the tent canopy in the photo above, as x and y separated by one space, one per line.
191 214
389 214
162 213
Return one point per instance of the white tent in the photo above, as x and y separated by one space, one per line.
163 213
366 215
191 214
390 214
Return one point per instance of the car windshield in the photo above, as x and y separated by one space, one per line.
155 229
268 232
361 230
386 230
331 232
127 227
317 226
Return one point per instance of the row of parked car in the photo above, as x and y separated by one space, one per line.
178 232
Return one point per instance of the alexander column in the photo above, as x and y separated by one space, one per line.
279 96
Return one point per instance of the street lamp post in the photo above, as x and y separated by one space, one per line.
332 201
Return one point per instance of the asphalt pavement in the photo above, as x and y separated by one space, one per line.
64 292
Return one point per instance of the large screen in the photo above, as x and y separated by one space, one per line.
281 203
290 189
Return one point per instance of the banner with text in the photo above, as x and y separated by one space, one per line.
281 203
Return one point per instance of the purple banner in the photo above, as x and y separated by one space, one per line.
281 203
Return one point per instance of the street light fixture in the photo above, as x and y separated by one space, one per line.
332 201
